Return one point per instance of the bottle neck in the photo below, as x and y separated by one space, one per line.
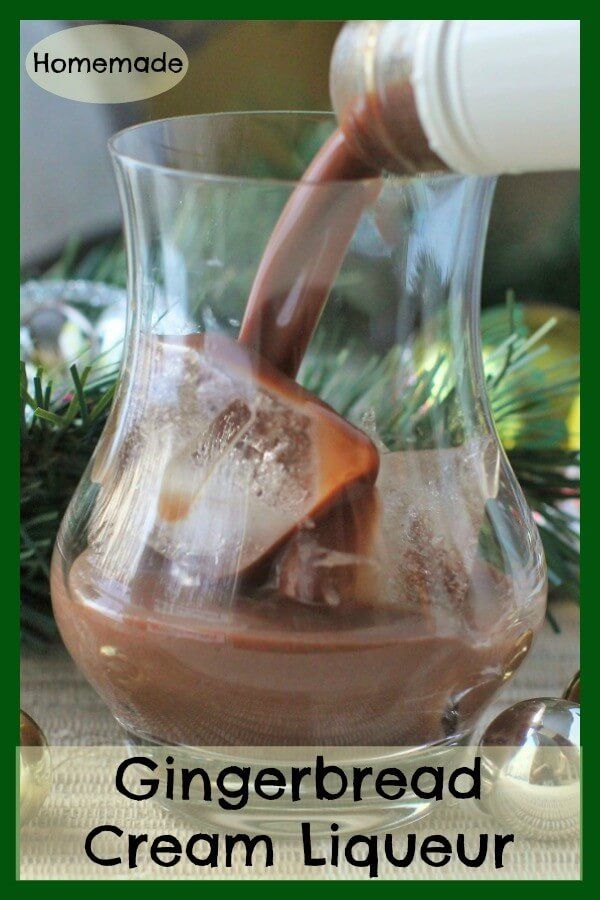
374 99
472 96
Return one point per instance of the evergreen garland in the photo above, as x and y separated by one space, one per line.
58 434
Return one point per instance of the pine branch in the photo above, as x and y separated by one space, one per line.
58 435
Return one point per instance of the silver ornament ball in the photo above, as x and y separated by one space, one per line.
70 321
530 765
572 689
35 768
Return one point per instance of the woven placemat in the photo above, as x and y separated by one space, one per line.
70 713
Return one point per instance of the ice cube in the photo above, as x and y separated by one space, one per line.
409 542
261 456
335 561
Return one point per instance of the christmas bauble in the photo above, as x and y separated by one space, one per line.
550 375
530 765
65 322
35 768
546 375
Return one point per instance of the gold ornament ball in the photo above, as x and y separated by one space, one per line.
561 356
559 362
35 768
563 346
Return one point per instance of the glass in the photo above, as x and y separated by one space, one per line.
241 565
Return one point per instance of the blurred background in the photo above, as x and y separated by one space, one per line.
67 184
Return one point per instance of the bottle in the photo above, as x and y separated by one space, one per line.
477 96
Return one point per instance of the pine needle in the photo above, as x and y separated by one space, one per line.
58 435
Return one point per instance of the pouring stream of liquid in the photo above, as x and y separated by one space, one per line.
304 254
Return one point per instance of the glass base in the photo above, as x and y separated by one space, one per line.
281 818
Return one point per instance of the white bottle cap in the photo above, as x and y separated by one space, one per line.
499 95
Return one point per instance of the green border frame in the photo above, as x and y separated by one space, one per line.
11 655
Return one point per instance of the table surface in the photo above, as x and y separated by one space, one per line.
70 713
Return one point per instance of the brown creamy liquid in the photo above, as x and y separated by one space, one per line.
272 672
307 642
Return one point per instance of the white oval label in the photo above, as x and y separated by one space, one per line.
106 63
